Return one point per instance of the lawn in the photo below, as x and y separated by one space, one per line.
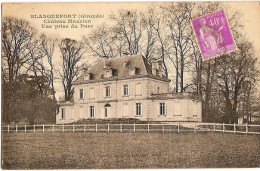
129 150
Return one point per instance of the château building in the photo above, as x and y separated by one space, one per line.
127 87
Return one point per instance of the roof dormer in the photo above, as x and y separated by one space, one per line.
108 72
88 76
133 71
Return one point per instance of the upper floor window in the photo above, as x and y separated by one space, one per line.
126 90
177 108
138 109
81 94
92 111
162 109
138 89
107 91
92 93
62 113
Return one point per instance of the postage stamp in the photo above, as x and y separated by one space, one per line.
213 34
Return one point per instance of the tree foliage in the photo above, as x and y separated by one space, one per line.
25 79
26 101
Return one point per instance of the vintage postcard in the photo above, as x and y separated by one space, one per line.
120 85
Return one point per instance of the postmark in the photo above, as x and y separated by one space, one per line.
213 34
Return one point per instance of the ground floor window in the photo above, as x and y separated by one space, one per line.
138 109
162 109
62 113
92 111
105 112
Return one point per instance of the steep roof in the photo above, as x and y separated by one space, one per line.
117 64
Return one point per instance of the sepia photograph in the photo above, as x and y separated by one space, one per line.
130 85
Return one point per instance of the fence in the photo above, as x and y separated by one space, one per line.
160 127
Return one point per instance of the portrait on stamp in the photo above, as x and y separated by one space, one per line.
213 34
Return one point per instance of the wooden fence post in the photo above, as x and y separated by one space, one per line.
148 127
96 128
121 127
234 127
195 127
107 127
247 128
223 127
63 128
84 129
73 128
25 128
33 128
53 128
214 127
178 127
43 128
8 128
16 129
134 127
163 127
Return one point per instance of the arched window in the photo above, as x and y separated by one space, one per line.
107 106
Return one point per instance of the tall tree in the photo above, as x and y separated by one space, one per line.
35 63
178 22
130 27
233 71
101 42
157 46
72 52
17 35
48 47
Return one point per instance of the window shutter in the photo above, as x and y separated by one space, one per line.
165 109
104 91
122 89
134 109
129 89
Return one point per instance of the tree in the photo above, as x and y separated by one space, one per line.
101 42
35 63
26 100
17 35
72 52
48 47
130 27
178 21
233 71
157 41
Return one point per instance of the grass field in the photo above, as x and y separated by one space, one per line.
129 150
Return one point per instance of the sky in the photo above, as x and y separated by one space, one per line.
30 11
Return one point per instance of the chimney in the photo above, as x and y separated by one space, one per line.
154 68
160 69
125 61
105 61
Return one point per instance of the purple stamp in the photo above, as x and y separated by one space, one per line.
213 34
